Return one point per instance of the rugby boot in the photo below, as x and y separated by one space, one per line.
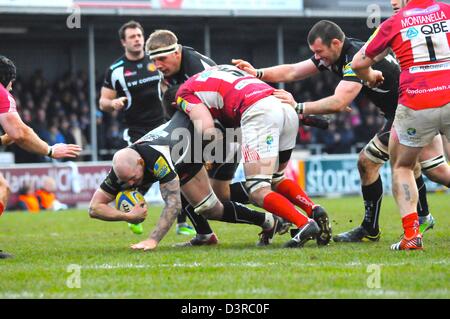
414 243
301 235
426 223
280 226
200 240
356 235
321 217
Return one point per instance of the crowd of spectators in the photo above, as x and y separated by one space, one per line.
59 113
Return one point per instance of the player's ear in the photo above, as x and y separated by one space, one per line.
335 43
141 162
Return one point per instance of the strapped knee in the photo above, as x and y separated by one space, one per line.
432 163
376 152
277 177
206 204
256 182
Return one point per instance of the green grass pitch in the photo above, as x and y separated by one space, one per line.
56 252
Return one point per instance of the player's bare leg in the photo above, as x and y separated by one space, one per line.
403 161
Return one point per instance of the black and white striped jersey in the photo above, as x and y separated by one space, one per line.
139 82
385 97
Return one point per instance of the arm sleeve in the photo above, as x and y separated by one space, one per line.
349 75
107 82
111 184
163 171
186 99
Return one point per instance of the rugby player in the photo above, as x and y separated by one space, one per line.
21 134
333 52
131 86
269 127
160 155
419 36
177 63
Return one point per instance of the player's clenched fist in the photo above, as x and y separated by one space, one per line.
119 103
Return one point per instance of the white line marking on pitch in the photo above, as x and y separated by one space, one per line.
253 265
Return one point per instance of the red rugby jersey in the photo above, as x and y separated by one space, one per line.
419 35
226 90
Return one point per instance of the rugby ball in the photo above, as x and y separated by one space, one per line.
126 200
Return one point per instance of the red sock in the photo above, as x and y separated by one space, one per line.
2 208
411 225
280 206
292 191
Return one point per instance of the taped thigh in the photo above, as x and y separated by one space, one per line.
432 163
256 182
206 204
376 151
278 177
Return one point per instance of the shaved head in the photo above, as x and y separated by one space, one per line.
125 162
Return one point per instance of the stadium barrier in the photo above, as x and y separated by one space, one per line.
322 175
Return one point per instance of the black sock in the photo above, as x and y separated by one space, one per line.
181 218
422 204
238 193
199 222
239 214
372 195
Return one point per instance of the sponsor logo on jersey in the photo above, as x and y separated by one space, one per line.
269 139
411 131
430 67
151 67
161 168
419 11
435 28
347 70
204 75
128 73
412 33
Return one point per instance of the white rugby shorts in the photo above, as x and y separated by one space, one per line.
417 128
268 127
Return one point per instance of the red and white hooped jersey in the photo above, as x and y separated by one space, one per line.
226 90
419 35
7 102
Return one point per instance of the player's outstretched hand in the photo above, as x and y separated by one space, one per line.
149 244
62 150
285 97
244 65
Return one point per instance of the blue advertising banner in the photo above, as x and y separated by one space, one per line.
335 175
